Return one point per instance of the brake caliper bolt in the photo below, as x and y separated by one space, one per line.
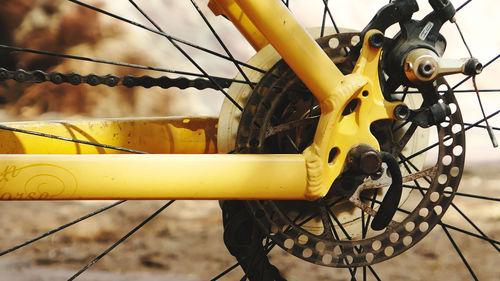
376 40
401 112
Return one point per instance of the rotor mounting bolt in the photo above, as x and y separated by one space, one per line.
401 112
376 40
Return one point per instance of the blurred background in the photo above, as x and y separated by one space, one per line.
175 247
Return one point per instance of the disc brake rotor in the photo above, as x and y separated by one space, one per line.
281 115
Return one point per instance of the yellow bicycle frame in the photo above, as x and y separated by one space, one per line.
186 165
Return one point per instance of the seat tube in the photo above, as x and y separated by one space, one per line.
295 45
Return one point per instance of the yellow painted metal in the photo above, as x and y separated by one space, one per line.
295 45
233 12
165 176
337 133
154 135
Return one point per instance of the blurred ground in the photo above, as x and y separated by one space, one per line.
185 242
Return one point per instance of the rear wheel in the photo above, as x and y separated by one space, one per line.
332 232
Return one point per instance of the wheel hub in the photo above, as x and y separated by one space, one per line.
281 116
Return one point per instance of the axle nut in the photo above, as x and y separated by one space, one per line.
370 162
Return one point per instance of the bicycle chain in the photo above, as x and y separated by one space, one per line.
110 80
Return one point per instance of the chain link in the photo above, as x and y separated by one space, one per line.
110 80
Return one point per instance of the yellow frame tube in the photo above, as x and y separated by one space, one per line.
233 12
295 45
202 176
173 135
159 176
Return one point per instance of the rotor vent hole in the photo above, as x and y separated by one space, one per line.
454 171
457 150
264 242
448 191
442 178
376 245
288 243
445 123
346 52
332 155
355 40
448 140
307 253
438 210
453 108
333 43
337 251
407 241
369 257
348 259
320 247
351 106
410 226
423 212
389 251
394 237
303 239
446 160
456 128
442 89
423 227
274 229
434 196
327 259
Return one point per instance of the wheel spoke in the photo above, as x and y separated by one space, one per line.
447 138
349 237
463 5
462 257
61 227
328 227
174 43
172 38
229 269
469 77
323 20
456 91
457 193
136 66
139 226
44 135
327 9
291 125
231 57
451 204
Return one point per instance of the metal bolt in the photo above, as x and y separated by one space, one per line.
473 67
376 40
426 68
401 112
370 162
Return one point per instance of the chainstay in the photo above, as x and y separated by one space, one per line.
110 80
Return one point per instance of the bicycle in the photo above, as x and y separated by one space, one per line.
355 149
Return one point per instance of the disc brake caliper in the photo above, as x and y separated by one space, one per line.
346 116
